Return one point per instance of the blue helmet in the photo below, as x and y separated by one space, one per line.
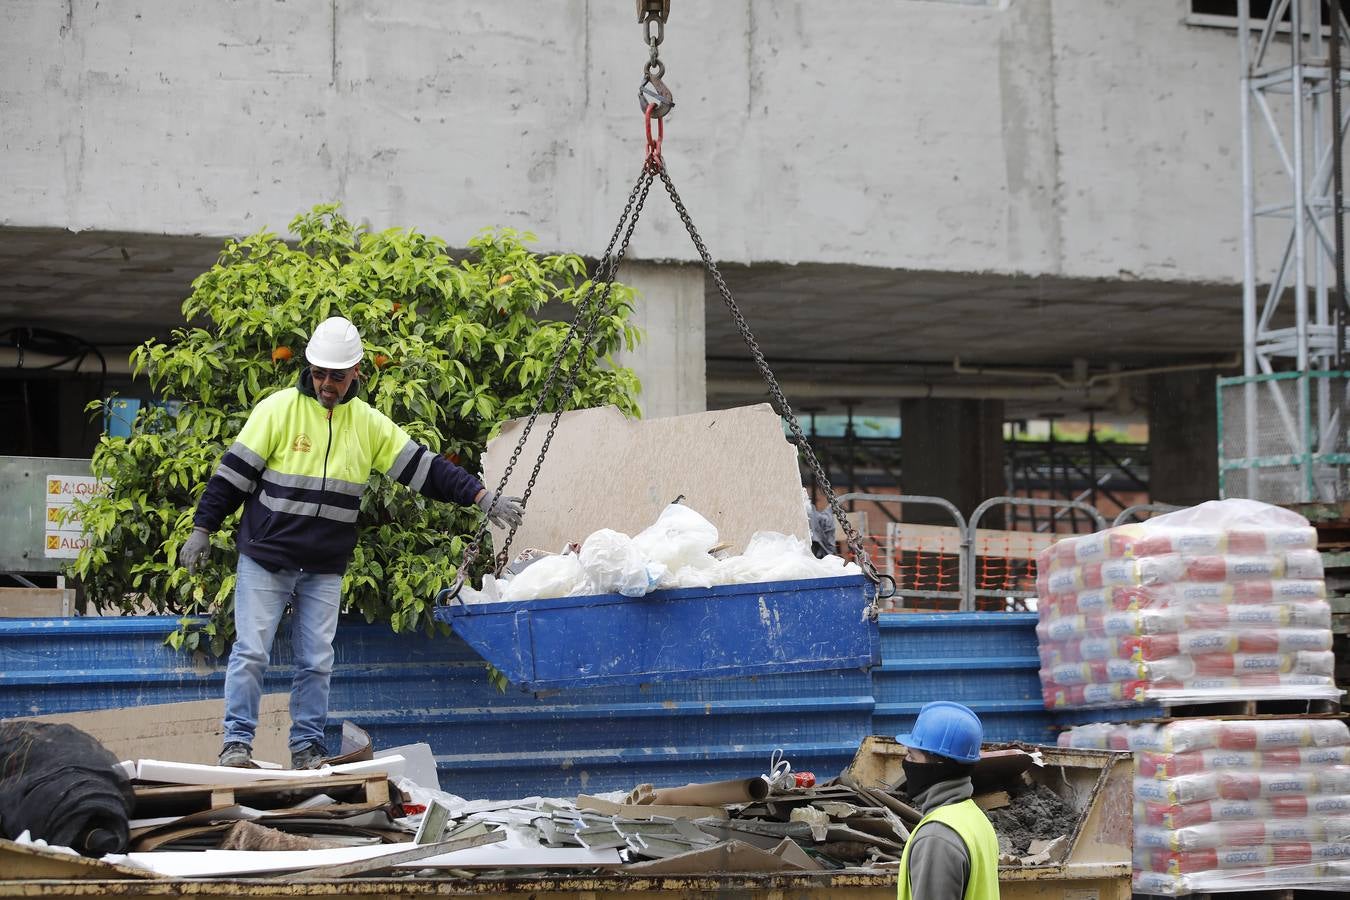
947 729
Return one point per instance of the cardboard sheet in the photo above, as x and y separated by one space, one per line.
733 466
188 730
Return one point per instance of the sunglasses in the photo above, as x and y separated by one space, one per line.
334 375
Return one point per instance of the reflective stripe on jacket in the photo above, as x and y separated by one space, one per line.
972 826
301 472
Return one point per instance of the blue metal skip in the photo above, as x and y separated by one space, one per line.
810 625
410 688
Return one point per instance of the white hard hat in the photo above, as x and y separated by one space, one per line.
335 344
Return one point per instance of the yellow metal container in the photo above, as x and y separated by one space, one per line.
1096 866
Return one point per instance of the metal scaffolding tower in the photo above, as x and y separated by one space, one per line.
1283 424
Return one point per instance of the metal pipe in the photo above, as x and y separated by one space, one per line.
1080 382
86 364
854 391
1300 232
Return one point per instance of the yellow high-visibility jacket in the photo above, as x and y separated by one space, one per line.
301 469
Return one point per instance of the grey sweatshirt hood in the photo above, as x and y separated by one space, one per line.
945 792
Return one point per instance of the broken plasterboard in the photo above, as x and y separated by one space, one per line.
510 853
191 773
649 811
733 466
731 856
184 731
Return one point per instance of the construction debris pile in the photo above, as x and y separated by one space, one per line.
369 817
681 549
1225 805
1222 601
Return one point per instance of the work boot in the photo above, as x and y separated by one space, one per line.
310 756
236 755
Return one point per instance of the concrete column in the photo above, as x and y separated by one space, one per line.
671 360
1183 438
952 449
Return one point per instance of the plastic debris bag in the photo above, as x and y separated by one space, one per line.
679 537
772 556
614 565
490 593
552 576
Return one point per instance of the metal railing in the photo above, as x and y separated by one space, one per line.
889 562
968 590
1131 513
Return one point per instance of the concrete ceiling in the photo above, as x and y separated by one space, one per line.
834 331
870 328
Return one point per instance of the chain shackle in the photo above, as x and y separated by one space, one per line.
780 402
654 97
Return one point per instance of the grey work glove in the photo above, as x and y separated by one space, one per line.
504 512
192 555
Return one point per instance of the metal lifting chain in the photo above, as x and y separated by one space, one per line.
657 102
585 321
776 392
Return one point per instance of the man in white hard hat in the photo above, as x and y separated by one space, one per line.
300 466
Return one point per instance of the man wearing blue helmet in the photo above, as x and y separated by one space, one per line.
952 854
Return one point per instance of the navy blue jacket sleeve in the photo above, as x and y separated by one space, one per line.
234 480
433 475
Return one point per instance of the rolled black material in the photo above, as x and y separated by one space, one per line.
62 786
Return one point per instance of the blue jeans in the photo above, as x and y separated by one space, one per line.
260 598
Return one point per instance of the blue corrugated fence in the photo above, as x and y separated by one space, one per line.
409 688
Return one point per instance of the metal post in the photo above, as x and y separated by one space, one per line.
1248 237
1307 146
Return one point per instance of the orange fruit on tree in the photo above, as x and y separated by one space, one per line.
506 279
381 360
281 354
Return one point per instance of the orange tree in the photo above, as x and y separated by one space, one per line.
454 348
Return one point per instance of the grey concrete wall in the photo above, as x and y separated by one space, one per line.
1065 137
670 360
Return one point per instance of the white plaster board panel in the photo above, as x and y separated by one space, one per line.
510 853
733 466
171 772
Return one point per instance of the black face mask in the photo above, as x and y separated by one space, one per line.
919 777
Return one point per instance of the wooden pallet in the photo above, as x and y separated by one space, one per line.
278 793
1248 894
1261 894
1253 709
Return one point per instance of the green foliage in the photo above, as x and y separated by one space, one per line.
454 348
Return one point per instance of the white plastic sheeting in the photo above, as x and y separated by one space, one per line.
678 550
